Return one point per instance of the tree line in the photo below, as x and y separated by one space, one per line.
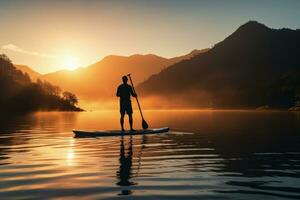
19 94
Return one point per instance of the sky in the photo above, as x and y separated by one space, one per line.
54 35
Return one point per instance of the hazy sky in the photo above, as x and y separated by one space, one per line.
52 35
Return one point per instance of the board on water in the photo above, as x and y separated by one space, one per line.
82 133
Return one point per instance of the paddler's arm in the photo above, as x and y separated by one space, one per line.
118 92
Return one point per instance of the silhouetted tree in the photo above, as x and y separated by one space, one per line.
18 93
49 88
70 97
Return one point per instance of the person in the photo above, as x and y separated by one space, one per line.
124 91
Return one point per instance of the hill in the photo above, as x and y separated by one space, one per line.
26 69
241 71
99 81
188 56
20 94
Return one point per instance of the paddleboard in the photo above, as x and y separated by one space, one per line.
103 133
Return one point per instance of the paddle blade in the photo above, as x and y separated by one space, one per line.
144 124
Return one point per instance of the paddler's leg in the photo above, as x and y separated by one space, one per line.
129 112
122 112
122 121
130 122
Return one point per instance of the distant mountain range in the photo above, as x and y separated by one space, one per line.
255 66
247 69
99 80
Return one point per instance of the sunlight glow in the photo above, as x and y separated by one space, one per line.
70 154
70 62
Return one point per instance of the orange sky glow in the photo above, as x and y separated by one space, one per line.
54 35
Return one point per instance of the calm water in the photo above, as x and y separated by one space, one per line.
207 155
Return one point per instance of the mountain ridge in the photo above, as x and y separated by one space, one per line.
107 73
34 75
236 72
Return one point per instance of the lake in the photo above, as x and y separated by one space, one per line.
206 155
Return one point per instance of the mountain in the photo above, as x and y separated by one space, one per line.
20 94
240 71
32 74
188 56
100 80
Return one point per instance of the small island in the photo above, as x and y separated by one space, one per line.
20 94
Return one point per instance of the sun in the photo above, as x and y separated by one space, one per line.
70 62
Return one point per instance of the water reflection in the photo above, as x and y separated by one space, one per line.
125 171
70 154
226 155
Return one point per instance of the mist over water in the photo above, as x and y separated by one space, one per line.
179 102
206 155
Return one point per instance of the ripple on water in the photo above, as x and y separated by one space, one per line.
221 157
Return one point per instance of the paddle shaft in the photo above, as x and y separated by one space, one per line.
137 100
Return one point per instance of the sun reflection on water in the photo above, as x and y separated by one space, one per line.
70 153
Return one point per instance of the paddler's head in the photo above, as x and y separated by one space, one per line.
124 79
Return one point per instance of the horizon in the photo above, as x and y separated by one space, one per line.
67 35
88 65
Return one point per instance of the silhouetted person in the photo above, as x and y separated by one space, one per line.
125 171
124 92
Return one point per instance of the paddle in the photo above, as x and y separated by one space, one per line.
144 123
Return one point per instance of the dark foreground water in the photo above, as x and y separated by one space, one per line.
207 155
